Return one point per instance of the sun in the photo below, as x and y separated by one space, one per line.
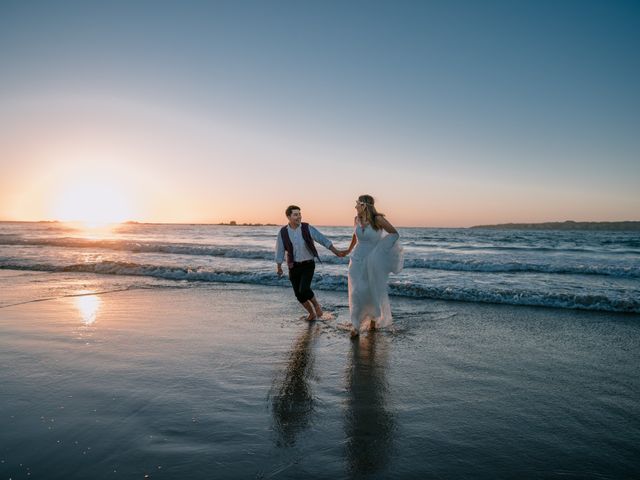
92 203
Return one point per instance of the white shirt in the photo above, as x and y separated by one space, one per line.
301 252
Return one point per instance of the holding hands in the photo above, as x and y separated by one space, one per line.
340 253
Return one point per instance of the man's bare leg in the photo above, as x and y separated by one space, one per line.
309 308
317 307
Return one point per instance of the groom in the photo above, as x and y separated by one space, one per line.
296 240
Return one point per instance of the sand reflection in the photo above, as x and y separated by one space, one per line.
292 397
88 306
369 425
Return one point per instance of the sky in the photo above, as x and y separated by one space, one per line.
450 113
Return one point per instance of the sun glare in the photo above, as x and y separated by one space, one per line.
92 204
88 306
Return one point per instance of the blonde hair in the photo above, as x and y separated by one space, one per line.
369 214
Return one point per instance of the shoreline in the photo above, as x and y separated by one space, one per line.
196 279
228 381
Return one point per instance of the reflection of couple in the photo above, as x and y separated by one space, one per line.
369 425
375 252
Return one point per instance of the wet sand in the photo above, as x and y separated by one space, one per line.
226 381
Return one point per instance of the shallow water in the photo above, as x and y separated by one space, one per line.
225 381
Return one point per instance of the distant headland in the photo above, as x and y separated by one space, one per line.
567 225
233 223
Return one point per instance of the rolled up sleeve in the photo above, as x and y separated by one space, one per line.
320 238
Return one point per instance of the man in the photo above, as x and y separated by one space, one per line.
296 239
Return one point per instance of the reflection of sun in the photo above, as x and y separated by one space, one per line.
92 203
88 306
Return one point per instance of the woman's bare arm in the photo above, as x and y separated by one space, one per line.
354 240
385 225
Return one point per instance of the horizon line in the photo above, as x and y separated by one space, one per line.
258 224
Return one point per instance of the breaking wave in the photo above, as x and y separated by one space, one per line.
323 281
466 263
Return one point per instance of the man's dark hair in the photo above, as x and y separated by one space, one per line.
290 209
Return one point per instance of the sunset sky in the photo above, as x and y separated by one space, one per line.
450 113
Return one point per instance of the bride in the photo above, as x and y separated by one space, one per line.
375 252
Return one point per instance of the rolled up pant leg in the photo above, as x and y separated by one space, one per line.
301 276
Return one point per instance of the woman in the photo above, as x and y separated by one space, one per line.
376 253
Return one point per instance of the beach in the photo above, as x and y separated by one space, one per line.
226 381
462 176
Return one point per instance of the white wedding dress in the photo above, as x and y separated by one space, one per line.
375 256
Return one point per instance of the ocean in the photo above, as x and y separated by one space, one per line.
174 351
565 269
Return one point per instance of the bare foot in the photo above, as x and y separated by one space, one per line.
311 317
316 307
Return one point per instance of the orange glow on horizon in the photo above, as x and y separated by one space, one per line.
92 204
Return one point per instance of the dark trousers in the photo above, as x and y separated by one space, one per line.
300 276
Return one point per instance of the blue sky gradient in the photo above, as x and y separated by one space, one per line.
450 113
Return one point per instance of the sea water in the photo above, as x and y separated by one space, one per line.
226 381
594 270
